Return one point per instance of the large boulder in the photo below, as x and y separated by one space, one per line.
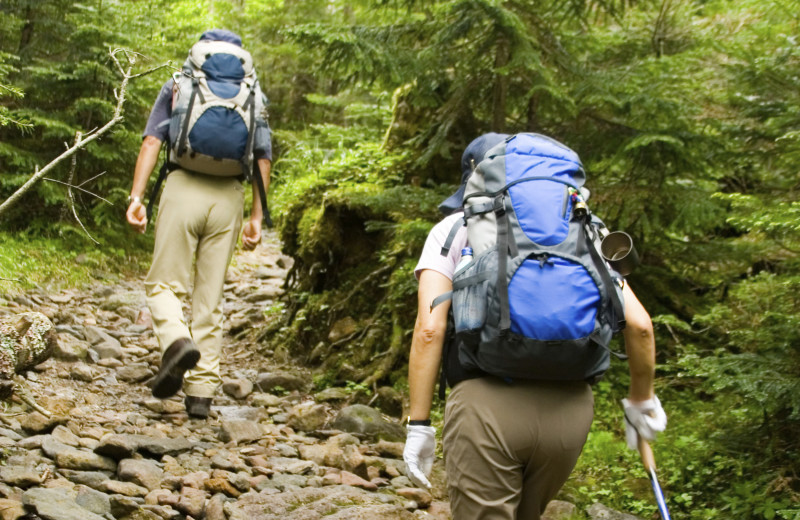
26 339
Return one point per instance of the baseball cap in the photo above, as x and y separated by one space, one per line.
474 152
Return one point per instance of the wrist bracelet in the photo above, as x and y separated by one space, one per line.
420 422
134 199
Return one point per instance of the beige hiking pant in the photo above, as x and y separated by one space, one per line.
510 447
198 223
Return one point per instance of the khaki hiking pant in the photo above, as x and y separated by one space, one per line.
198 223
509 448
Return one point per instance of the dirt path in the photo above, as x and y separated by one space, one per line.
270 450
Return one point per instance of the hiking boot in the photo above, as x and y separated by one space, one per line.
181 356
197 406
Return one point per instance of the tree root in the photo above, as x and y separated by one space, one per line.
390 357
24 394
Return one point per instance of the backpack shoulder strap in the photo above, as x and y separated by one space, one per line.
162 174
448 243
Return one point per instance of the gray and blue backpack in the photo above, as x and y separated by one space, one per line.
537 301
217 108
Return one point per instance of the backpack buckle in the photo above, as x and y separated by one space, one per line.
499 205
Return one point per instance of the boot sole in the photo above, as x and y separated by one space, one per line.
169 379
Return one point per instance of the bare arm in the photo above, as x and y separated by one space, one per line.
145 163
427 342
251 234
640 345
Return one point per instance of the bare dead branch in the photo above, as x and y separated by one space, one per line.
72 195
78 187
82 141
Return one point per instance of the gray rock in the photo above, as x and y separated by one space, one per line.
269 272
95 335
108 349
330 502
93 479
334 393
35 422
56 504
285 482
134 373
307 417
269 381
285 450
125 488
192 502
133 299
122 505
11 509
141 472
162 512
93 500
81 372
70 348
559 510
264 400
228 461
64 435
361 419
263 293
118 446
20 476
122 446
67 457
248 413
240 431
293 466
422 497
600 512
10 434
238 388
215 509
401 482
155 447
390 449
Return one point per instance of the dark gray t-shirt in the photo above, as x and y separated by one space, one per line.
158 124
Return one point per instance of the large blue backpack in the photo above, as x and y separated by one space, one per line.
537 301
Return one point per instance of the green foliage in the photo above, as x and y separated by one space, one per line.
30 262
686 115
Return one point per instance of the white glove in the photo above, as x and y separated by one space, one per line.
645 418
419 454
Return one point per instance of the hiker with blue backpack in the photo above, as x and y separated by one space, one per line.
518 306
211 116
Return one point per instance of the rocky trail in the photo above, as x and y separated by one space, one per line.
103 448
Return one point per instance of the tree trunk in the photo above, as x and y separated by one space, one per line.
500 91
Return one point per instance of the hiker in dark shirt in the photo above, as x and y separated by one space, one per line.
508 447
197 227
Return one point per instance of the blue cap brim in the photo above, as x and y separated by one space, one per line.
454 201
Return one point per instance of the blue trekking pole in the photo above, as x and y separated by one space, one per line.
650 464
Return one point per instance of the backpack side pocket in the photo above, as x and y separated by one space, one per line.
470 288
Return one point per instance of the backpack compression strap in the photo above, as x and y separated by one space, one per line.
502 262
